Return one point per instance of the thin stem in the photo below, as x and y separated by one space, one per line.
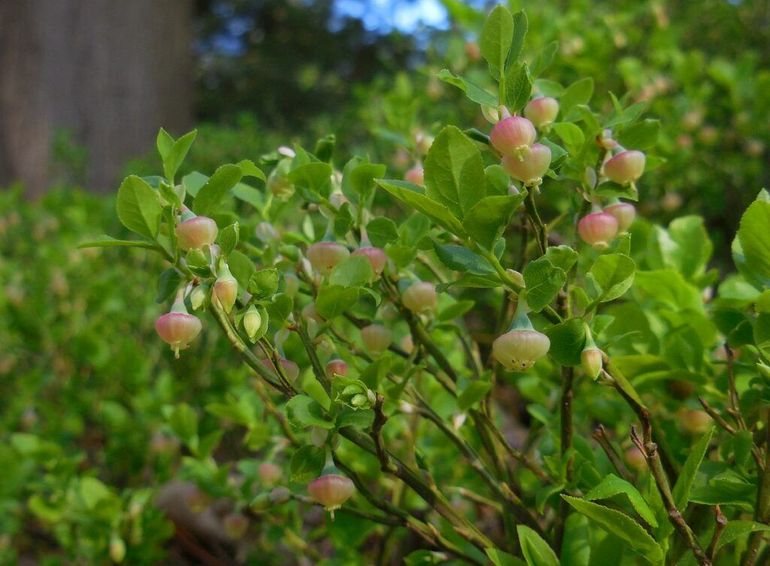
567 393
537 222
600 435
734 410
762 511
721 523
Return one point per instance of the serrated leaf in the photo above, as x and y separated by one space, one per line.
535 550
138 207
473 92
241 267
496 37
567 341
563 257
614 274
333 300
210 195
454 171
354 271
413 196
754 238
612 485
487 219
620 525
176 155
518 87
303 411
382 231
462 259
307 463
543 281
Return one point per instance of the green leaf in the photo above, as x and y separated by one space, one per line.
315 390
360 178
548 88
686 479
543 60
571 135
567 341
454 171
352 272
302 411
168 282
754 238
543 281
228 238
184 422
487 219
241 267
105 241
520 27
612 485
210 195
248 169
614 274
473 92
472 394
307 463
382 231
173 158
263 283
455 310
462 259
518 87
314 177
535 550
737 529
496 38
762 334
500 558
685 246
138 207
193 182
563 257
414 197
620 525
642 135
164 142
333 300
579 92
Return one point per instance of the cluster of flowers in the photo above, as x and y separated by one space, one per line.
514 137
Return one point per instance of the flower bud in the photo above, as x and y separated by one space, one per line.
415 175
625 167
519 349
598 229
225 290
694 421
290 369
407 344
420 297
542 111
252 322
624 213
635 459
269 473
376 256
331 491
197 297
196 232
531 166
591 361
178 328
235 525
511 135
324 256
376 338
279 495
278 181
117 549
336 367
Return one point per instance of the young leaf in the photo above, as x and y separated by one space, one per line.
518 87
620 525
578 92
241 267
139 207
302 411
209 196
110 242
500 558
488 218
543 60
496 37
612 485
614 274
535 550
571 135
412 195
164 142
543 281
354 271
684 482
642 135
175 156
454 171
754 238
473 92
520 27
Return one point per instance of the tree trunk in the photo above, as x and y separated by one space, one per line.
108 73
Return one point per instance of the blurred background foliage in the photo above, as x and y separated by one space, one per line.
86 390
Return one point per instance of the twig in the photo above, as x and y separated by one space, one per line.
721 523
762 511
379 422
600 435
537 222
716 416
734 409
567 393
